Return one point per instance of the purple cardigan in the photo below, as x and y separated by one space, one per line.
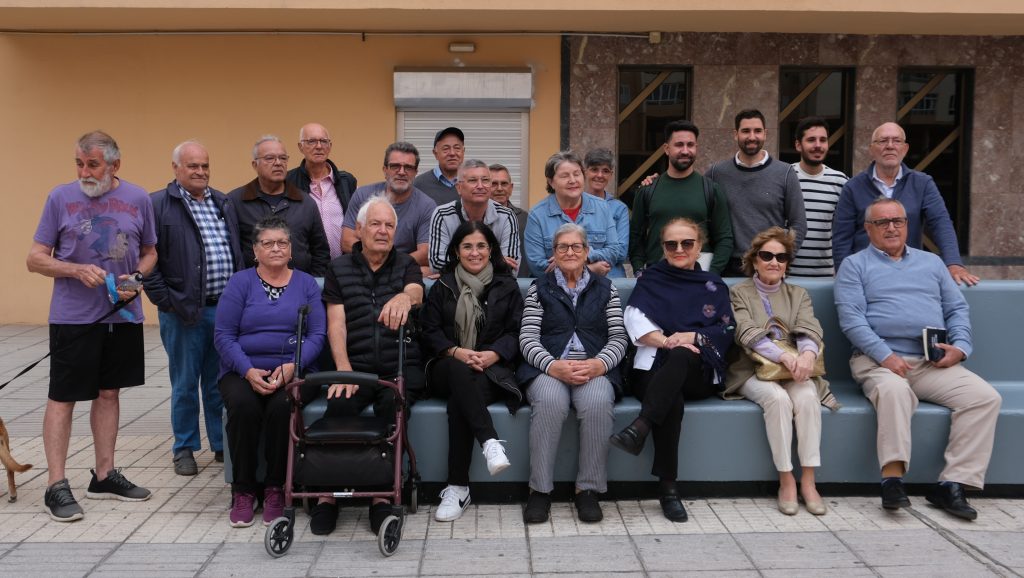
253 331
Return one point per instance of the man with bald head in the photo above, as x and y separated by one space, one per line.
317 176
197 231
889 177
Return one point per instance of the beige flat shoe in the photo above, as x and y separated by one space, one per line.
816 507
788 508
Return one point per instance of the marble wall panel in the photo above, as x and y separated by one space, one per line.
740 70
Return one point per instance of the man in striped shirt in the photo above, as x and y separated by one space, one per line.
820 186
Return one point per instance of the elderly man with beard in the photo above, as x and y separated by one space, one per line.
413 206
96 226
680 192
762 193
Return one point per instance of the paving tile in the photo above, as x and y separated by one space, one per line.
53 559
693 553
584 554
800 551
253 560
364 559
707 574
156 560
957 571
1006 548
920 548
818 573
475 557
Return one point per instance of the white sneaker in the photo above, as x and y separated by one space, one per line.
454 501
495 454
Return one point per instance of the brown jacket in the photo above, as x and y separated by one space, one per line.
793 306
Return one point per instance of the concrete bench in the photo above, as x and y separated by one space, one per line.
725 440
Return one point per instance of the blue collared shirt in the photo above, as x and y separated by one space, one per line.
443 179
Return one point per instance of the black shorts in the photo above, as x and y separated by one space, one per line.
87 358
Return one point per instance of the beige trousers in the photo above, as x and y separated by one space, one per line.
973 401
782 404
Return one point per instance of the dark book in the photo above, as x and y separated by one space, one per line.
932 336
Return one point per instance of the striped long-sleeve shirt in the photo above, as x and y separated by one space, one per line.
821 195
536 355
449 216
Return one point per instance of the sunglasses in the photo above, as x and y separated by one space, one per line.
673 246
767 256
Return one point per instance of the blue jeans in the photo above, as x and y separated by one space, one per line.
193 365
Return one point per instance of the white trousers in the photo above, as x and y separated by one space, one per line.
782 405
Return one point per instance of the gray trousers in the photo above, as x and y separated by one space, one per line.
594 403
974 403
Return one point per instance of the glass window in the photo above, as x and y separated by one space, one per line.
649 98
934 108
824 92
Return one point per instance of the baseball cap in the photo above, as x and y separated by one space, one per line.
449 131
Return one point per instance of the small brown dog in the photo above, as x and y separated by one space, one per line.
9 463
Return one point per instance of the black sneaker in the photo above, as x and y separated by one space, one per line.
218 456
116 487
185 463
60 503
588 507
323 518
538 507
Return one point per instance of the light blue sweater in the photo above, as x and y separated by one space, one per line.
883 304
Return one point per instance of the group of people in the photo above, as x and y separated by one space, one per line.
228 274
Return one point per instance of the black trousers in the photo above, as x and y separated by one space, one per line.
253 417
469 393
663 393
382 398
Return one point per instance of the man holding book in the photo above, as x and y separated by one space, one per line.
886 295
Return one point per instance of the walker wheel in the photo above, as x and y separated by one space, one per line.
278 538
390 535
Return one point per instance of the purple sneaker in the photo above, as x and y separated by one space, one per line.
243 509
273 504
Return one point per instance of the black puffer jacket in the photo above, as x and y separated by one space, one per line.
503 312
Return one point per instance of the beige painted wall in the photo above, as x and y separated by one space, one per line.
151 92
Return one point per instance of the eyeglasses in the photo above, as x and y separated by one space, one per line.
767 257
397 167
673 246
270 243
897 222
563 248
270 159
893 140
312 142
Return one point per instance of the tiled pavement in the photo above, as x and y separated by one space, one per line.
183 530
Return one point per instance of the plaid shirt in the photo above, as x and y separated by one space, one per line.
214 234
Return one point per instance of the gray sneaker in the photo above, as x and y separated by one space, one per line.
185 463
116 487
60 503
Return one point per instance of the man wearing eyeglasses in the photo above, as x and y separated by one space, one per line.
474 204
269 193
889 177
198 251
886 295
321 179
449 150
413 207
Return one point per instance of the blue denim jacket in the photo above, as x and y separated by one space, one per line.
595 217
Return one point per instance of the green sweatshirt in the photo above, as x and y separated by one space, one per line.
673 198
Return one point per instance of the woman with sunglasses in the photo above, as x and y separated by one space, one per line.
754 302
680 319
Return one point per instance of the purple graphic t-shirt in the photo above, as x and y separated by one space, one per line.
107 232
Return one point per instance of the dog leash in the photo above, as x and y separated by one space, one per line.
116 308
